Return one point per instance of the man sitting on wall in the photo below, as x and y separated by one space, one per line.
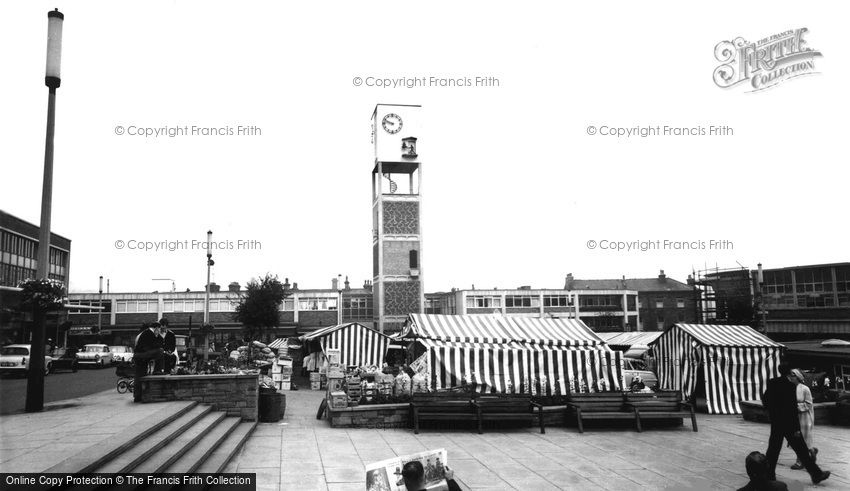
148 348
169 347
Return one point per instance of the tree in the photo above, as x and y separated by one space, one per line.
257 309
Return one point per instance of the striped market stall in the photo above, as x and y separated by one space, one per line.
504 354
358 344
727 364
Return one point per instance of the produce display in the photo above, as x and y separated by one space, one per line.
256 354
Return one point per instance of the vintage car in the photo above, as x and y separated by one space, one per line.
121 354
15 358
633 367
64 359
97 354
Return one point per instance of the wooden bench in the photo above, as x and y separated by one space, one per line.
598 405
441 406
504 407
659 405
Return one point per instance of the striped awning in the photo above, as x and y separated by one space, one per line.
720 335
500 329
736 362
358 344
628 339
522 368
503 354
278 343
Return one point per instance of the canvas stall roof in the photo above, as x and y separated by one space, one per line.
501 329
517 367
629 338
278 343
359 345
722 335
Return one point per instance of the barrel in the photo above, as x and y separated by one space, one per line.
269 410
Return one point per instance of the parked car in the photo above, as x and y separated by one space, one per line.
633 367
15 358
121 354
97 354
64 359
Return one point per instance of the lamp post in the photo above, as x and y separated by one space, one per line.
99 304
339 298
35 378
207 297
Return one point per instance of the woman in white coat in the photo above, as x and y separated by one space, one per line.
806 412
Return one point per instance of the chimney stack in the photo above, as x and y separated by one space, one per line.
286 284
335 284
662 277
234 287
347 285
214 287
295 285
568 282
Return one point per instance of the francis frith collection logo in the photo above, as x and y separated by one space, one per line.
764 63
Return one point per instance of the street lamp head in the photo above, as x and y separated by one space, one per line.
52 74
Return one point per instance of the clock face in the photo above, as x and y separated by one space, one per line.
392 123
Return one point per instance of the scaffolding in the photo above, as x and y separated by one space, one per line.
726 296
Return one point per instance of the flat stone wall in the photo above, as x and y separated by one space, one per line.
371 416
754 411
237 395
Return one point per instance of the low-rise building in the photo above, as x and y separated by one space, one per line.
19 244
662 301
600 309
303 310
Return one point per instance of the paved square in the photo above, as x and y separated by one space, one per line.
302 452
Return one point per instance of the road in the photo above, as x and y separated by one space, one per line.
57 386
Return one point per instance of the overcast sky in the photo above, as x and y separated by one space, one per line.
514 188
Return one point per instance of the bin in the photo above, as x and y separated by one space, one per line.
269 410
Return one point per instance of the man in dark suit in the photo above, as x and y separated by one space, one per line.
169 345
148 347
780 400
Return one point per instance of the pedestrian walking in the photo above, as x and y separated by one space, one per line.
806 412
780 400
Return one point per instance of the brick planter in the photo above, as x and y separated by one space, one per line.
754 411
236 395
371 416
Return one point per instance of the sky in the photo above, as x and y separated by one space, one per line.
516 191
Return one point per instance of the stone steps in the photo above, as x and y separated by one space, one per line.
182 437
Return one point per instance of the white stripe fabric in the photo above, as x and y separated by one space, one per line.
522 368
736 363
358 344
501 329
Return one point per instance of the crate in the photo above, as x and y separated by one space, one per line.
338 400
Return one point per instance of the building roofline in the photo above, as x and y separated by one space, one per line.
52 233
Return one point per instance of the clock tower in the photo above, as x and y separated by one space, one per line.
396 215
